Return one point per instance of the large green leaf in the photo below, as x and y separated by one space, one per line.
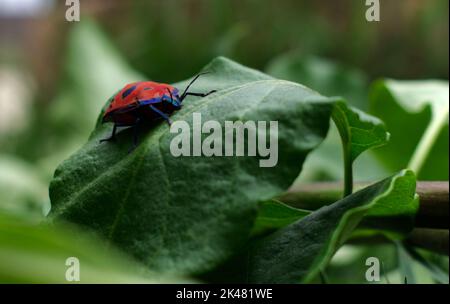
298 252
416 114
37 254
359 132
187 214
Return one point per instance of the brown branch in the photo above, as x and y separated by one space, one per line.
434 200
434 205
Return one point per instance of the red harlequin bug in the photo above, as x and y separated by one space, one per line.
145 101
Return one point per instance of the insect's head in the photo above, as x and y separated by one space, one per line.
174 98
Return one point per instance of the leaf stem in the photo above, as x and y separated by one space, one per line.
348 174
426 142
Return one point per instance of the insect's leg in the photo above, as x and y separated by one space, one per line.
113 135
162 114
197 94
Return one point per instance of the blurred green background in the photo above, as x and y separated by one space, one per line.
56 75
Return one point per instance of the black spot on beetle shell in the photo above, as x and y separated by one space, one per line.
128 91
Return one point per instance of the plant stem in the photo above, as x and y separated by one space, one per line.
348 174
426 142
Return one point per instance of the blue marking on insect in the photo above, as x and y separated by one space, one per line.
150 101
176 103
128 91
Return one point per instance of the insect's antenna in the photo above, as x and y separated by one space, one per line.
193 80
170 93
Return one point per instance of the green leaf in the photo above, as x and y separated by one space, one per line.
187 214
274 214
37 254
359 132
416 113
301 250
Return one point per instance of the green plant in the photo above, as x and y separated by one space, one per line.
191 215
226 219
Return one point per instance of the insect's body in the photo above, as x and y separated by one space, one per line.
139 100
144 101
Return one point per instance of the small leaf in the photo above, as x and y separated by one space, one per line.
301 250
187 214
359 132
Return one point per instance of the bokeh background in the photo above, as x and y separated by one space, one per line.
56 75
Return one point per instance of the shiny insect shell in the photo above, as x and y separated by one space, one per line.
142 100
145 101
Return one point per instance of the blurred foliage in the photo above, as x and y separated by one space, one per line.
419 108
22 189
417 114
348 265
31 253
252 32
325 76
